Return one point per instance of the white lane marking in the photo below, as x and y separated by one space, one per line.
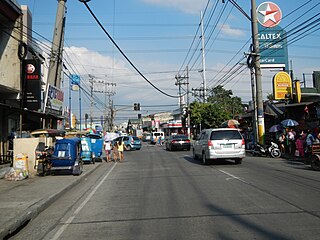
71 218
232 176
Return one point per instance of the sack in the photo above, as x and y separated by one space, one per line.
296 153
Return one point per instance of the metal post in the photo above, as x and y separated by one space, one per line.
255 41
203 62
70 115
80 128
91 100
188 107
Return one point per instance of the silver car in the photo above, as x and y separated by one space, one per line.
219 143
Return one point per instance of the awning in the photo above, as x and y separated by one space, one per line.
273 110
298 104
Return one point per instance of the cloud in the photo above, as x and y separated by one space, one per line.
188 6
229 31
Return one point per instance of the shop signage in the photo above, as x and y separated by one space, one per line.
282 86
32 84
54 99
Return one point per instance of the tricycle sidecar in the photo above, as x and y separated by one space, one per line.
67 156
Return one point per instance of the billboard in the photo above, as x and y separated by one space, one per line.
54 99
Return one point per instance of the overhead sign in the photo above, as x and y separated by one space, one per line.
269 14
282 86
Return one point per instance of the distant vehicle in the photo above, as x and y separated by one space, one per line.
146 137
155 137
219 143
177 142
131 142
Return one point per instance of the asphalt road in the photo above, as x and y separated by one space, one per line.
156 194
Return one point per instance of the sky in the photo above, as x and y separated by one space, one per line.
162 38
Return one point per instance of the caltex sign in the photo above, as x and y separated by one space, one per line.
272 38
269 14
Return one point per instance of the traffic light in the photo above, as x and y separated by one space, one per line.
136 106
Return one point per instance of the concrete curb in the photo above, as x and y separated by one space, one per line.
14 224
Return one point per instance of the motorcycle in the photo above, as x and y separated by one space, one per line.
272 150
43 163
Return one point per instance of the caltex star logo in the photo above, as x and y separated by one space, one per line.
269 14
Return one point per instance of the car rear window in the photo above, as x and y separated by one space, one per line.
179 137
225 134
135 138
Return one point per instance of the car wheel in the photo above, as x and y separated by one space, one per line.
238 161
195 157
204 159
188 149
128 148
315 163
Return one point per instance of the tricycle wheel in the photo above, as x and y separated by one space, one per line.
315 163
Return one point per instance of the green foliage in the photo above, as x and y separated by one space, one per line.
220 107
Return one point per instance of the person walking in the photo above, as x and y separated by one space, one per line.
107 148
121 148
115 152
281 140
309 141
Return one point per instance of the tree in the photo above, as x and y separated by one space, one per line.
220 107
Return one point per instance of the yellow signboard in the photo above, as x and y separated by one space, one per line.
282 86
298 91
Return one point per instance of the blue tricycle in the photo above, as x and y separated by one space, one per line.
67 156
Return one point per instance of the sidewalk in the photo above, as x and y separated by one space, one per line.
20 201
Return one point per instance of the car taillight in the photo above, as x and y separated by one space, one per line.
210 143
187 141
243 142
173 141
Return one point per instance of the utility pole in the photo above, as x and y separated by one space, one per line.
203 61
91 98
109 91
257 69
55 65
255 55
184 80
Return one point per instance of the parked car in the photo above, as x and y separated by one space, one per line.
177 142
219 143
131 142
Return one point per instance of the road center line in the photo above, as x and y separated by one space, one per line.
233 176
70 219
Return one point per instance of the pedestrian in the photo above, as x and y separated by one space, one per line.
300 147
115 152
281 140
291 141
309 141
107 148
12 135
121 148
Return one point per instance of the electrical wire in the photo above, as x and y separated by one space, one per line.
124 55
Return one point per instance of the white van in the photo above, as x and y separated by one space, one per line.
155 136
